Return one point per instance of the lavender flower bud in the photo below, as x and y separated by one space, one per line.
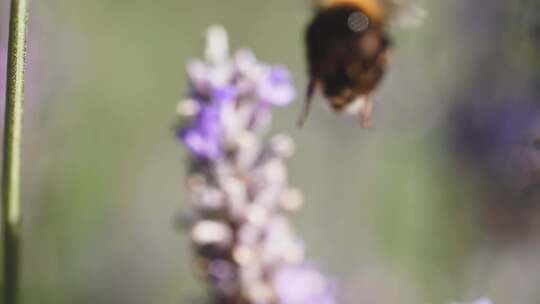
302 284
187 109
282 146
276 89
239 185
292 200
217 48
211 233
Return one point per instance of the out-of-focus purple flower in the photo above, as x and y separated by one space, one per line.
497 137
303 284
500 138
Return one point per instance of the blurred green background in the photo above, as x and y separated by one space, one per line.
390 213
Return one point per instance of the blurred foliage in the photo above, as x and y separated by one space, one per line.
105 173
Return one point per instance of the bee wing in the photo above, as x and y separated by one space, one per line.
319 4
411 16
404 13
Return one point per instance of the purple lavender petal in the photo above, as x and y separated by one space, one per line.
275 87
302 284
208 120
203 135
200 145
223 94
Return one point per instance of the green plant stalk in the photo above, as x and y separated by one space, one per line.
11 171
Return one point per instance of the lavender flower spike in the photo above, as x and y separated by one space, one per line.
238 186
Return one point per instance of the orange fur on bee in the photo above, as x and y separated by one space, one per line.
372 7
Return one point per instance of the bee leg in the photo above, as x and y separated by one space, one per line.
307 102
365 113
338 104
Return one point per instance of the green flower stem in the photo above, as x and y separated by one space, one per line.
11 176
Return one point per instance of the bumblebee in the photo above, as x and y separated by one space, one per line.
347 53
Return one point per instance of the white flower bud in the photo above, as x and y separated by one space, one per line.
211 233
187 108
292 200
217 44
282 145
